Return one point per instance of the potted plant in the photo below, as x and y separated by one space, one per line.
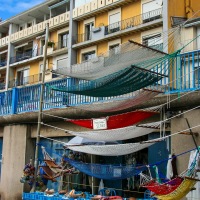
50 46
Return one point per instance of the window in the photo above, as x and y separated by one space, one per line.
114 49
151 10
114 21
63 40
88 55
153 41
88 30
29 25
20 28
23 77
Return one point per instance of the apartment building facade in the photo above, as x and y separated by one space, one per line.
79 31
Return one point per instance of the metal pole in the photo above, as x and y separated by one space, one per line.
92 176
40 108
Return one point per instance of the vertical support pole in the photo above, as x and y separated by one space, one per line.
40 108
8 59
14 100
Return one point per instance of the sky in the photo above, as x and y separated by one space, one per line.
9 8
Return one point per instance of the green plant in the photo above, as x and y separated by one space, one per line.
50 44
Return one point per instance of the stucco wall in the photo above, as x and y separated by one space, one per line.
181 143
17 147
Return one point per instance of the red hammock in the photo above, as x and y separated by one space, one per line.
117 121
165 188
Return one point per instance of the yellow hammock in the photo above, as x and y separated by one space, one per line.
183 189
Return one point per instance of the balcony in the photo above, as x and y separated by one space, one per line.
4 41
143 21
25 80
134 21
96 7
3 63
37 29
58 48
183 78
2 86
26 56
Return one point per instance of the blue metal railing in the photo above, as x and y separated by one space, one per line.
182 75
6 103
26 55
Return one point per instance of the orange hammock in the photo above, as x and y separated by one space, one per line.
117 121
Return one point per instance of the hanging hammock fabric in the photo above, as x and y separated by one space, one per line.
121 82
181 191
116 121
130 53
109 172
112 105
109 150
165 188
114 134
176 188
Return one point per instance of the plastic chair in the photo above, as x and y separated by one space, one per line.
107 192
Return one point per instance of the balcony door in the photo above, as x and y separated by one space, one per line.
114 22
23 77
88 30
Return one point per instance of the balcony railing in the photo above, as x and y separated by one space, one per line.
133 21
122 25
2 86
26 55
25 80
183 75
61 44
3 63
83 37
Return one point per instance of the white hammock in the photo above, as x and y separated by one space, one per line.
114 134
130 53
110 150
137 97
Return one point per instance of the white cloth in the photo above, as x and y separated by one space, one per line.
169 168
101 184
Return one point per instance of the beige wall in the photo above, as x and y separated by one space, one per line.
181 143
17 149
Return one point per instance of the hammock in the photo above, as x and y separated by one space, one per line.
114 134
109 150
180 191
130 53
116 121
121 82
137 97
109 172
176 188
